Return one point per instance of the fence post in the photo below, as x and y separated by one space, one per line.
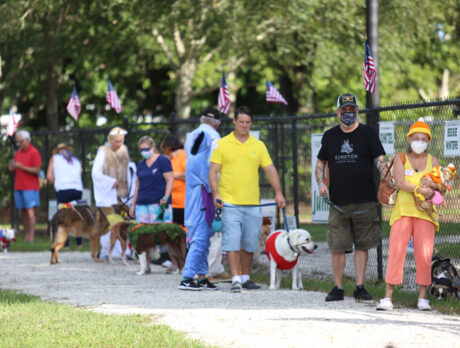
83 156
277 163
295 171
14 223
172 123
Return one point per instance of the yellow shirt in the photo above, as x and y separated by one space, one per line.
239 171
405 204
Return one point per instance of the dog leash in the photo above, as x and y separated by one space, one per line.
340 210
263 205
226 205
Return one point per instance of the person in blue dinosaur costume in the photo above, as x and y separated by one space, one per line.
199 207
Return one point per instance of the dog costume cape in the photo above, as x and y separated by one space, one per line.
270 249
171 229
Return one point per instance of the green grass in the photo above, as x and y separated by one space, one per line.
26 321
42 243
376 288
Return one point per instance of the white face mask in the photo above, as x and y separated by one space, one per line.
418 146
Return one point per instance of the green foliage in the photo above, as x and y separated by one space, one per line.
165 56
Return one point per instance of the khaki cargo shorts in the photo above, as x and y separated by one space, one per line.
359 225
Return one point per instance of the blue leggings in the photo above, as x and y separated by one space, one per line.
196 262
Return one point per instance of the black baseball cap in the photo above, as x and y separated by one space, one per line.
346 99
211 112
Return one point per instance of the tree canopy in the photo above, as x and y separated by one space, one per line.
167 56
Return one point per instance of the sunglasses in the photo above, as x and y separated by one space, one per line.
147 149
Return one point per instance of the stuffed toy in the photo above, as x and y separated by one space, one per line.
443 178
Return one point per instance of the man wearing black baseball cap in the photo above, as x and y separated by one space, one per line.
350 150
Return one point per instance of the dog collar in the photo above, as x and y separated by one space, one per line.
290 245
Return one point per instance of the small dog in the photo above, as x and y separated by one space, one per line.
283 250
265 232
147 237
443 178
7 236
445 281
79 221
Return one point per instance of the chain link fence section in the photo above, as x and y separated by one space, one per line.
288 140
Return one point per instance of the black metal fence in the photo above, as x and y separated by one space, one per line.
288 139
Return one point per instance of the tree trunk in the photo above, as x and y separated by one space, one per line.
51 88
444 90
185 88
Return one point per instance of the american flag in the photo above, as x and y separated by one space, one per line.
112 98
13 122
74 105
273 96
369 73
223 102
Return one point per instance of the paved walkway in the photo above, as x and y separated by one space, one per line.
251 319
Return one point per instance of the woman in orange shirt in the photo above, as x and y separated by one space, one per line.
174 149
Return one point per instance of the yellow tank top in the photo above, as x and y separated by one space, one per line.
405 204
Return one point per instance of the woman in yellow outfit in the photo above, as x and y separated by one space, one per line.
407 220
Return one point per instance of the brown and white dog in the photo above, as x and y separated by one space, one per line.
79 221
148 243
283 250
7 235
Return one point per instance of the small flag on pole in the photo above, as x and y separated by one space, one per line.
13 122
112 98
74 105
369 72
223 102
273 96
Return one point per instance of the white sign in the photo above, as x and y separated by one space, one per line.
452 138
52 208
255 133
319 208
387 136
291 222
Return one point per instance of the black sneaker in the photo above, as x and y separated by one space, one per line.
188 284
236 287
205 284
249 285
336 294
360 293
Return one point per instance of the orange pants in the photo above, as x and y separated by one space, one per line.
422 232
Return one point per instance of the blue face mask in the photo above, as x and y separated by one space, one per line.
146 154
348 118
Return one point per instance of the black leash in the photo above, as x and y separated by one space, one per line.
340 210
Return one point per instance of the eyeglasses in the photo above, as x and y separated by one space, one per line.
147 149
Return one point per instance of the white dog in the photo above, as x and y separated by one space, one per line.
6 237
283 250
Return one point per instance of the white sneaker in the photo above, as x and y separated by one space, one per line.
385 305
423 304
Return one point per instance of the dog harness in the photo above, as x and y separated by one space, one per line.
281 262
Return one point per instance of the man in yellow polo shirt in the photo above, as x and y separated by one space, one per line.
237 158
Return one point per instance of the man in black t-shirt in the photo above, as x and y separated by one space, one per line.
350 150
